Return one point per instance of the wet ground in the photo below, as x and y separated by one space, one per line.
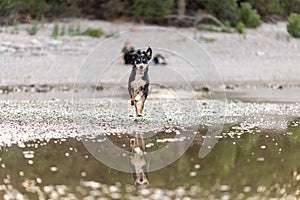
43 153
246 162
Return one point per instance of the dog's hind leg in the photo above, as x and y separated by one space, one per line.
134 103
136 109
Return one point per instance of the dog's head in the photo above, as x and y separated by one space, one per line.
140 179
139 59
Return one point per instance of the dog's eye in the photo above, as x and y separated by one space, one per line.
144 61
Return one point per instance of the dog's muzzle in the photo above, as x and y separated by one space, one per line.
141 69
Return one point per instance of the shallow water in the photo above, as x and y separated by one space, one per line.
244 163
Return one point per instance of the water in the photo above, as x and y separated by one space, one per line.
256 163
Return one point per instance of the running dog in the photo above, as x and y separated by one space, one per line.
139 162
138 83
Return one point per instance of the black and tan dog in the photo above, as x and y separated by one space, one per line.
139 161
138 83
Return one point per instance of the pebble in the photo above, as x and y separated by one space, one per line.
55 43
224 188
6 43
36 43
53 169
3 49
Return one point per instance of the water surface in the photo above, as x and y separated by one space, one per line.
244 163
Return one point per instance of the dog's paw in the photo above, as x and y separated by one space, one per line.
137 98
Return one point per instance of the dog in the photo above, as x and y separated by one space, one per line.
139 161
138 84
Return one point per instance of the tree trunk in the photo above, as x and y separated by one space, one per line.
181 8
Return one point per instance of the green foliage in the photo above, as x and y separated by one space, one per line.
33 29
216 29
77 30
62 30
71 30
16 26
93 32
7 5
240 27
290 6
55 32
42 22
267 7
37 8
249 16
293 25
225 10
151 11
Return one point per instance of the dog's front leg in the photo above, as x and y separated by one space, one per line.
144 94
134 103
142 104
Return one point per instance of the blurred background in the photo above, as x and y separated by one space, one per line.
230 12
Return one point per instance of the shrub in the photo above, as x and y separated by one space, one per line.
16 26
93 32
55 31
290 6
226 10
6 6
151 11
77 30
62 30
33 29
240 27
293 25
249 16
268 7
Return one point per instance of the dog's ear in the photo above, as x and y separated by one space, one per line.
149 53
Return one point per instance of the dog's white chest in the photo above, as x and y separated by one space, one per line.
138 83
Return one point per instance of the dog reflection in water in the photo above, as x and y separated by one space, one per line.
139 162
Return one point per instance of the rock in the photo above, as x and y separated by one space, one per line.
43 88
54 43
36 43
38 53
260 53
68 48
19 46
229 87
12 50
6 44
280 87
3 49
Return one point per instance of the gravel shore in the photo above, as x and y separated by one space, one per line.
22 121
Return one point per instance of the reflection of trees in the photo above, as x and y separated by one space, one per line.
241 164
69 168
